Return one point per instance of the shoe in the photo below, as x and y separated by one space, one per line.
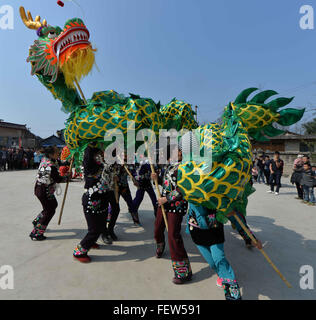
113 235
160 250
311 204
232 291
106 238
276 193
269 191
135 219
177 280
95 246
219 282
83 258
248 243
37 238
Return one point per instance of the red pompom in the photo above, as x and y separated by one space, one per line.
60 3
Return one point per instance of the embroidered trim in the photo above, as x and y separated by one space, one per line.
181 268
80 251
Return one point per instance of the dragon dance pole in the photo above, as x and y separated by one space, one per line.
262 251
72 162
66 191
157 185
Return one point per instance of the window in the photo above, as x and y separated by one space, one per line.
304 147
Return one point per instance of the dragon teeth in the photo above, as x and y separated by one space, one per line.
74 36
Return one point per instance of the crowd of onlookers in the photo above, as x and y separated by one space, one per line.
265 170
19 159
270 171
304 177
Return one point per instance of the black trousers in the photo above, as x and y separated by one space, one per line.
299 190
49 204
97 214
275 180
115 210
267 175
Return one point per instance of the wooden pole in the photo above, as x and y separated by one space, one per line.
262 251
80 90
72 161
157 185
128 172
66 191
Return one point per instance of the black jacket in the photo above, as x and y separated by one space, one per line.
297 175
308 178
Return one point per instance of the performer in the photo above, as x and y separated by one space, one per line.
45 186
175 207
125 192
142 175
98 194
208 235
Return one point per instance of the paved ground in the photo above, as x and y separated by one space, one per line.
128 269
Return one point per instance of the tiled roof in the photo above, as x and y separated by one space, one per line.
12 125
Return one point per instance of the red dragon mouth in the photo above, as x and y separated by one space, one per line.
74 36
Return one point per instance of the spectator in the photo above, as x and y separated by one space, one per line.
297 175
3 159
254 172
276 171
306 159
267 163
10 159
37 159
260 166
308 183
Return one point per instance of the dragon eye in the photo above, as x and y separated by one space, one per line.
52 35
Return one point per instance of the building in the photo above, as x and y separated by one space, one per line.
17 135
53 141
290 145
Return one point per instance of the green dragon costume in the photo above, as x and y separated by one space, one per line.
60 57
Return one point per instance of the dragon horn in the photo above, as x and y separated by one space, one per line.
29 22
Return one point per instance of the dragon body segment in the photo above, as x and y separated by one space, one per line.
60 57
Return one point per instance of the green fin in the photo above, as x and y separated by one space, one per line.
134 96
242 98
276 104
290 116
270 131
261 97
258 136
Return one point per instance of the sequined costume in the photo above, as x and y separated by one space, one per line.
175 208
98 195
47 179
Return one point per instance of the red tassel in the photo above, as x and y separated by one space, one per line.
60 3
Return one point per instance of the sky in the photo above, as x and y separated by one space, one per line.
202 51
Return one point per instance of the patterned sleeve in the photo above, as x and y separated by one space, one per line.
175 194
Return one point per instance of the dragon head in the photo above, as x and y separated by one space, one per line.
67 51
258 116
